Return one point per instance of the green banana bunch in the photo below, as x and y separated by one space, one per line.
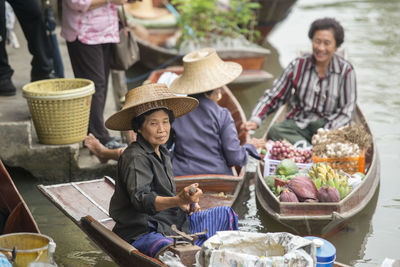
323 174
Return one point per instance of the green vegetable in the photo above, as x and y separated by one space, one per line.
270 181
286 167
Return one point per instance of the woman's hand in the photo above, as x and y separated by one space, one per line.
258 143
249 125
190 194
191 208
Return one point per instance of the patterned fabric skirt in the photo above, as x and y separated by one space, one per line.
215 219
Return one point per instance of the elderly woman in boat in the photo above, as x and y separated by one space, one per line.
206 139
145 204
320 89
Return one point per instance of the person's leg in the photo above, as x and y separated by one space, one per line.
151 243
313 127
100 151
7 88
30 17
221 218
87 62
287 130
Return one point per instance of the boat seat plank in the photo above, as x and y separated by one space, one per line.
75 203
100 192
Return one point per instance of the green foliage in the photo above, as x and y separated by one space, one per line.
200 20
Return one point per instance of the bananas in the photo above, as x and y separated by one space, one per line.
323 174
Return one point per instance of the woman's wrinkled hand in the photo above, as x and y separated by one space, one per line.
249 125
191 208
190 194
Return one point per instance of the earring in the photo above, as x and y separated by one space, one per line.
219 96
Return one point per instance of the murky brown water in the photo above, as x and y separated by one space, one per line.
373 45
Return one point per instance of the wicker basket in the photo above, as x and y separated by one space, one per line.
60 109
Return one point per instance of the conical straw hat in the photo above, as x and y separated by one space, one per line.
144 10
204 70
147 97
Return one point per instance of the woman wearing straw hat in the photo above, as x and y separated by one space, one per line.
206 140
145 204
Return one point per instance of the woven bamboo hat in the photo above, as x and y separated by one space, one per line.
147 97
144 9
204 70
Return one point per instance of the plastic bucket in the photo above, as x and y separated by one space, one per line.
31 247
325 251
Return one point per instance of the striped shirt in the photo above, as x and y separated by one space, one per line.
310 97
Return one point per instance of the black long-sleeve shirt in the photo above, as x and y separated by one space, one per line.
142 176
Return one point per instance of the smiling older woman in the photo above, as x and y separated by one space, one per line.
145 204
320 89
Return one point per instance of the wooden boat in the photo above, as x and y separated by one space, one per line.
19 217
321 218
154 54
271 13
86 203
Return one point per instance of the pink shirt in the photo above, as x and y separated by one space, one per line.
95 26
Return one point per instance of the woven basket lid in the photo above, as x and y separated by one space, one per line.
204 70
144 9
147 97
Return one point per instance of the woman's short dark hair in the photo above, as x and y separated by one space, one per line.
326 24
138 121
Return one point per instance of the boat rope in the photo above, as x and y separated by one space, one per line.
75 185
145 75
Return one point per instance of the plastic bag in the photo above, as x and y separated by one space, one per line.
237 248
171 259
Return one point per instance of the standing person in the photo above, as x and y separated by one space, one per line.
30 17
145 204
206 139
320 89
90 27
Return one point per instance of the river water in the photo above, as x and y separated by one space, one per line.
372 41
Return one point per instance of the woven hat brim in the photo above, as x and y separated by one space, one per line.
179 105
206 81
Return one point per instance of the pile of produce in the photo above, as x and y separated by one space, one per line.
347 141
291 184
320 183
332 185
285 150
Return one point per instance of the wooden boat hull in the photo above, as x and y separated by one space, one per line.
20 218
87 203
153 55
271 13
321 218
